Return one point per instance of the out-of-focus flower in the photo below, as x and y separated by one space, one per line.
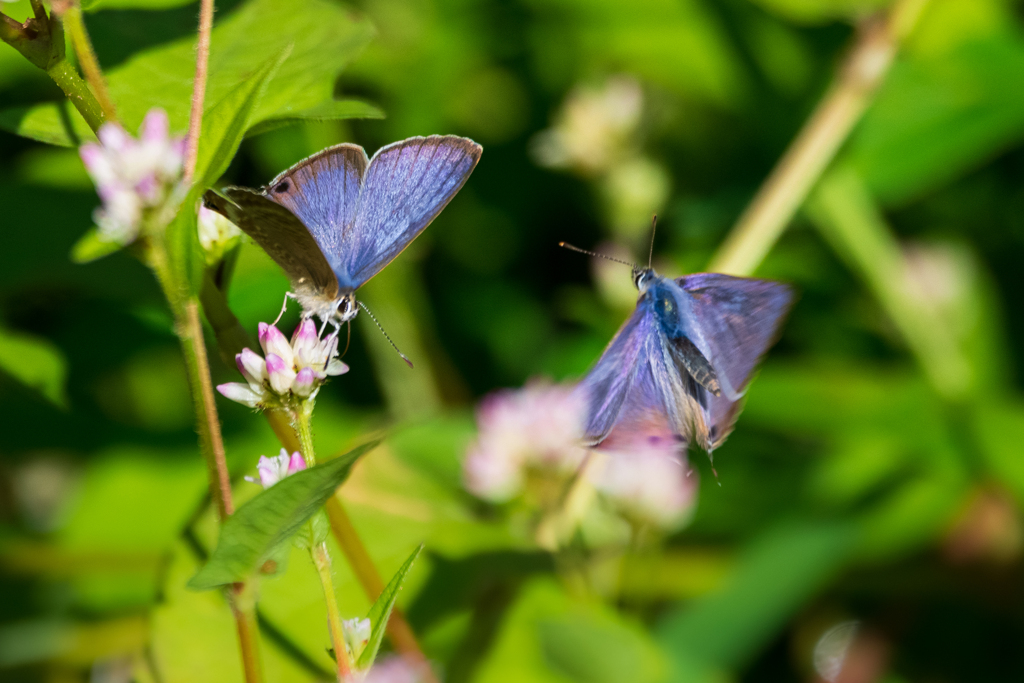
273 470
133 177
396 670
848 653
647 480
291 372
594 128
357 634
216 234
534 429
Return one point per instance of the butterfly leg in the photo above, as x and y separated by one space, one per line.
284 306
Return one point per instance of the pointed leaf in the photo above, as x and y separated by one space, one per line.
183 248
91 246
224 125
249 536
381 612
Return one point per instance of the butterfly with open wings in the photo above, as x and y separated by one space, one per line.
334 220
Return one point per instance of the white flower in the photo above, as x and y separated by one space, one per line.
216 234
357 634
291 372
538 427
273 470
594 127
133 177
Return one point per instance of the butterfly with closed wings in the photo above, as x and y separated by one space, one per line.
334 220
678 367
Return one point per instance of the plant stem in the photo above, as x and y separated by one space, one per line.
193 348
195 119
87 60
322 560
78 93
863 70
401 634
303 430
243 606
301 421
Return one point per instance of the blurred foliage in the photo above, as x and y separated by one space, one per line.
875 475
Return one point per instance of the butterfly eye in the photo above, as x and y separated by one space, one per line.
281 187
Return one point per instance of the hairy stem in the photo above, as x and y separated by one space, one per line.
88 61
193 347
301 421
322 560
785 190
195 119
243 606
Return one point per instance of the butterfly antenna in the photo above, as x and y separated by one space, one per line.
566 245
654 227
404 357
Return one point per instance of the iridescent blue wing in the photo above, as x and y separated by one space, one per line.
607 384
322 191
405 187
733 321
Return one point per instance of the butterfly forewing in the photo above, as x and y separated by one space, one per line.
282 236
405 187
606 385
323 192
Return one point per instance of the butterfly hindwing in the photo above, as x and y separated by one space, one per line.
405 186
323 192
283 236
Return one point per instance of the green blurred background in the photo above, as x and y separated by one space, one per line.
876 474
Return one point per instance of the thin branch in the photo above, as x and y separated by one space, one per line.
195 119
88 61
785 190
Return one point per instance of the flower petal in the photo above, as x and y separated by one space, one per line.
241 393
280 374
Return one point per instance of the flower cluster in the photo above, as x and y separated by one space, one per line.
648 482
537 428
396 670
133 177
291 372
216 234
273 470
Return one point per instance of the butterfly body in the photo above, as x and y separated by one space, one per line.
678 367
334 220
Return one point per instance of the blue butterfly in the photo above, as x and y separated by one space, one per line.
334 220
678 367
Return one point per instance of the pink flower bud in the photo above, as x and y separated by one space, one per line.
306 343
252 367
113 137
280 374
155 126
276 343
304 382
296 462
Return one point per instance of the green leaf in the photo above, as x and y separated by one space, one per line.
331 36
328 111
36 363
225 124
91 246
249 536
381 612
